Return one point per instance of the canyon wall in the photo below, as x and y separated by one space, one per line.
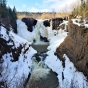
75 46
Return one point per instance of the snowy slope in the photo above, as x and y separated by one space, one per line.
15 68
56 38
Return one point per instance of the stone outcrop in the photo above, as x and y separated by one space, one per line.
63 26
55 22
75 46
7 24
30 22
5 48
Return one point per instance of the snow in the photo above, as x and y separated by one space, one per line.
56 39
23 32
68 76
38 30
3 31
15 73
64 22
71 76
77 22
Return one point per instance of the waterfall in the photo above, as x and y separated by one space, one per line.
38 30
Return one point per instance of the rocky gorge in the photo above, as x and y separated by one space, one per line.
75 46
48 65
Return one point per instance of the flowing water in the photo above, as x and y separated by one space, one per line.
40 47
41 76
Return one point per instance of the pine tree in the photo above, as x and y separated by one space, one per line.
14 14
4 2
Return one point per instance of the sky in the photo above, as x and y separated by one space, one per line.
41 5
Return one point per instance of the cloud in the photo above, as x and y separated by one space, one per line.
59 5
49 6
47 1
53 5
33 9
24 5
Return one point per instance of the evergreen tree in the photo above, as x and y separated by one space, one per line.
14 13
7 12
4 3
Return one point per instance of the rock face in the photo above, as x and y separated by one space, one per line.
7 24
46 23
56 22
75 46
30 22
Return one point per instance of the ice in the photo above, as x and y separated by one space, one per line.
38 30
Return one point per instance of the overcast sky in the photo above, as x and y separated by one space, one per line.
40 5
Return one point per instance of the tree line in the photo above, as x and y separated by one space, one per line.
80 10
7 12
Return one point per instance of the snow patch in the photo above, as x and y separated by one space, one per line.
77 22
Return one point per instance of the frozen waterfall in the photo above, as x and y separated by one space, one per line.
38 30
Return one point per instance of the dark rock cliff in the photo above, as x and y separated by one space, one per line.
9 24
75 46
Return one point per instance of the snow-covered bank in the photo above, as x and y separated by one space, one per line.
16 59
56 39
80 22
68 76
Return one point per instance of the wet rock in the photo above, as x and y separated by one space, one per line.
64 27
37 57
40 56
56 22
30 22
40 47
46 23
